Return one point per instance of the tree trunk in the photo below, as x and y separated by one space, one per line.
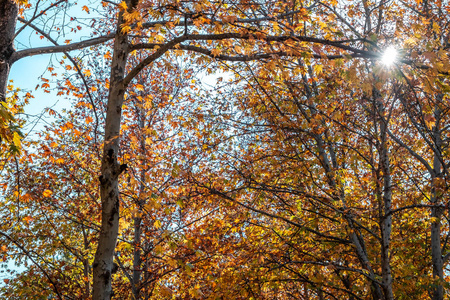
436 212
436 253
137 260
110 171
8 18
356 239
386 224
86 264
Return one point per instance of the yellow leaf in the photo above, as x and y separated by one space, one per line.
122 6
157 224
430 121
434 220
318 69
158 249
16 139
47 193
126 29
166 292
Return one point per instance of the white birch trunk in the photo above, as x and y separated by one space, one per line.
110 171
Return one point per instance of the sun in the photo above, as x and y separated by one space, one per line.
389 56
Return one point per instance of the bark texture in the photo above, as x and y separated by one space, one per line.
436 212
8 18
137 260
386 205
110 171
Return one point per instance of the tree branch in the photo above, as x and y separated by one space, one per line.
162 48
42 12
148 60
29 256
237 58
59 48
184 22
75 64
270 215
412 152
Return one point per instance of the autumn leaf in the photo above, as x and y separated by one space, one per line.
122 6
17 139
47 193
308 159
87 72
126 29
157 224
216 52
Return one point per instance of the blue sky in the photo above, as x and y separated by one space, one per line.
25 72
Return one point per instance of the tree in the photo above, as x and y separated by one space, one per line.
310 108
301 62
201 14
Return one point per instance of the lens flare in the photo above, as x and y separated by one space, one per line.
389 56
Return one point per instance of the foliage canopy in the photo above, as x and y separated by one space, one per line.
229 150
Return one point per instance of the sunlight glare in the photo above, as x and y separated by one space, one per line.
389 56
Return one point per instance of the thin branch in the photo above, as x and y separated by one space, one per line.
163 48
83 78
184 22
59 48
225 196
27 253
412 152
26 23
148 60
